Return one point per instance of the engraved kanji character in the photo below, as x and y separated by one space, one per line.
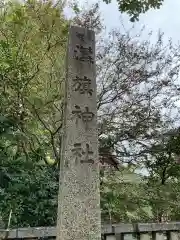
86 59
84 50
87 153
78 152
77 112
86 116
83 54
80 36
83 85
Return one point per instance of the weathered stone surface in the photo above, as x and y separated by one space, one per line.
79 200
145 236
159 236
123 228
8 233
110 237
172 228
36 232
152 227
174 236
107 229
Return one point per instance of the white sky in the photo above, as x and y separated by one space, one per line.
167 18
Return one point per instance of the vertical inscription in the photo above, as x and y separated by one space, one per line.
83 85
79 198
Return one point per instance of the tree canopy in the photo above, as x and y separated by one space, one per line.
135 7
33 38
137 89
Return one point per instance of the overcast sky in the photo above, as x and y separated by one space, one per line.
167 18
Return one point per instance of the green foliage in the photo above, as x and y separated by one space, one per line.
129 197
135 7
33 35
27 186
31 196
122 198
31 71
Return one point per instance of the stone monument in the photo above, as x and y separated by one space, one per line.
79 196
